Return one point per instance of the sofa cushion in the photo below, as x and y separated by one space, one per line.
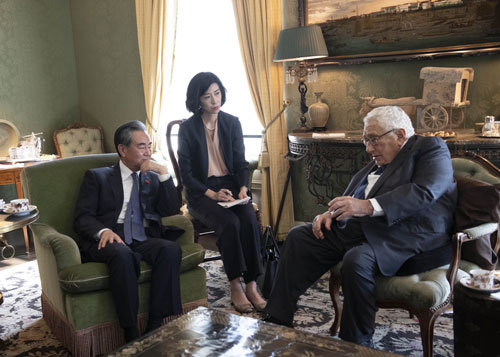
95 276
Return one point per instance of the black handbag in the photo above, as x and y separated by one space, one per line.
270 259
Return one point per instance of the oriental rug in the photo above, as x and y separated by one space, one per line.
23 332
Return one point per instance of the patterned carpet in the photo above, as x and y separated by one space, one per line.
23 331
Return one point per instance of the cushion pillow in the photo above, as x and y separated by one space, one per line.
478 203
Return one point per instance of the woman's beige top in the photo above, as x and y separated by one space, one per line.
216 164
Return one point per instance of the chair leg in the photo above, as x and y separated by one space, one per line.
426 321
334 287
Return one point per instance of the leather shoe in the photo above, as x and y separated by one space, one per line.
130 333
274 320
242 308
259 307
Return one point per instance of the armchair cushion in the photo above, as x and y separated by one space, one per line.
478 202
420 291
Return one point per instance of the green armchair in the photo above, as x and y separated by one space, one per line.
428 294
76 301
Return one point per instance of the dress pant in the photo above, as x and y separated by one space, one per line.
306 258
237 230
123 262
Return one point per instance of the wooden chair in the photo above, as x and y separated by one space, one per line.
203 235
79 139
428 294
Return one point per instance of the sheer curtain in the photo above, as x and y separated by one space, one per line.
259 25
156 27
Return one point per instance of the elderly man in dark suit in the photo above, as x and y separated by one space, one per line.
118 215
400 205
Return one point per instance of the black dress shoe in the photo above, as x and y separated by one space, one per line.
153 324
274 320
130 333
367 343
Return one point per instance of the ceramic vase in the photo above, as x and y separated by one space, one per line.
319 112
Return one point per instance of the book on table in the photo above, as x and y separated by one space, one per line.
241 201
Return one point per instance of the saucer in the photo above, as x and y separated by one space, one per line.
466 281
8 210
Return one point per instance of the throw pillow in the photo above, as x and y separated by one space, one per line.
478 203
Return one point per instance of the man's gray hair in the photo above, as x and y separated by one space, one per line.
390 117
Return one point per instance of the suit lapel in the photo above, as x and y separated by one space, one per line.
358 178
116 184
400 158
200 130
223 133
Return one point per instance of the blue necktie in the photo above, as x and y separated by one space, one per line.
133 227
359 192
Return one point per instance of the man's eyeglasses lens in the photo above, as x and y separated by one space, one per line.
374 139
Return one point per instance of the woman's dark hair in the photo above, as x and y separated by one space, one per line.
198 86
123 135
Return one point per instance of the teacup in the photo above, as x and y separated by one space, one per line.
20 205
482 279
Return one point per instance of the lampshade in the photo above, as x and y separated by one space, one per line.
300 43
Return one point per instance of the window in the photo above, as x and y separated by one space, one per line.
207 41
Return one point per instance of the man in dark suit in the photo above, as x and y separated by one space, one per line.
118 215
400 205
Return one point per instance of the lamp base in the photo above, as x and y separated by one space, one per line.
301 129
318 128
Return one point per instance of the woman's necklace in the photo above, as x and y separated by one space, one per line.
210 125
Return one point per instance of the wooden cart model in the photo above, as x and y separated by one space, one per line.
443 98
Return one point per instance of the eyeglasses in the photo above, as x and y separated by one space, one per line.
374 139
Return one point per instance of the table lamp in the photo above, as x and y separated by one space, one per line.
301 44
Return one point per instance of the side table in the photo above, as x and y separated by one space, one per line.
9 223
476 323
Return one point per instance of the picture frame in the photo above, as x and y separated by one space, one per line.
361 31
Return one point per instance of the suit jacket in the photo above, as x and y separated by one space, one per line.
101 200
193 154
418 195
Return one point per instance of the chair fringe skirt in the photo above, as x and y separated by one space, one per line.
98 339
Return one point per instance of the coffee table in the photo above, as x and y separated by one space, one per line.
210 332
9 223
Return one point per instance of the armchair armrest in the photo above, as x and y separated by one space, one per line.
192 253
63 247
183 223
458 239
478 231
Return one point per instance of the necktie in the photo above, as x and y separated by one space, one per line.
359 192
133 227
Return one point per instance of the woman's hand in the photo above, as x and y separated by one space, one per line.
243 192
223 195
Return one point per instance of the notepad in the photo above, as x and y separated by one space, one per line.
235 202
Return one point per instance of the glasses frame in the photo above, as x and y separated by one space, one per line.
375 139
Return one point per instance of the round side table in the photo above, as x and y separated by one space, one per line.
476 323
9 223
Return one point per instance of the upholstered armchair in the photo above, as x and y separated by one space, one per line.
428 294
79 139
76 301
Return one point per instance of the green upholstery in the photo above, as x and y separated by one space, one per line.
76 301
429 293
